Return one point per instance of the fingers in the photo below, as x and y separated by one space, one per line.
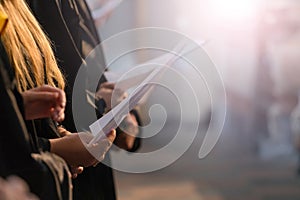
75 171
58 115
63 132
75 149
61 96
18 184
40 96
129 125
49 100
108 85
111 95
46 93
58 112
120 93
42 104
46 88
62 99
79 170
100 147
111 135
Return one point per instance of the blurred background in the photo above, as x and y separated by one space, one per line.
255 45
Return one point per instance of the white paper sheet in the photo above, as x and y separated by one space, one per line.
113 118
131 81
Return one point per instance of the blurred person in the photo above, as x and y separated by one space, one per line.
71 29
295 124
283 52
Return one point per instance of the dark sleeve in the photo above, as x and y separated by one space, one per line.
66 41
15 150
48 129
137 141
44 144
20 103
101 105
43 130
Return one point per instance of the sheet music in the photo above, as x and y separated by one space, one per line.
128 82
137 78
114 117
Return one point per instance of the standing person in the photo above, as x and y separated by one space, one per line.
16 144
29 53
71 28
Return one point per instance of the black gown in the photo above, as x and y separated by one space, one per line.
17 145
71 28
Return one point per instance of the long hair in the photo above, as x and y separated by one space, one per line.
28 48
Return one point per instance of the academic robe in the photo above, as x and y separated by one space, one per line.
70 27
17 145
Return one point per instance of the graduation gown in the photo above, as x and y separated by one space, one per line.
17 145
70 27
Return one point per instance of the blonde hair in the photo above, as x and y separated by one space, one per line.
28 48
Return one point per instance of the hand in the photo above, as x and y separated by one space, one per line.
75 171
62 131
44 101
129 131
76 151
111 96
15 188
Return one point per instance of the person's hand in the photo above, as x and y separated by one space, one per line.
129 131
62 131
44 101
75 171
111 95
76 151
15 188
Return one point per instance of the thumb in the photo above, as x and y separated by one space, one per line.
111 135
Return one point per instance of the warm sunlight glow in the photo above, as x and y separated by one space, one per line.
234 9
